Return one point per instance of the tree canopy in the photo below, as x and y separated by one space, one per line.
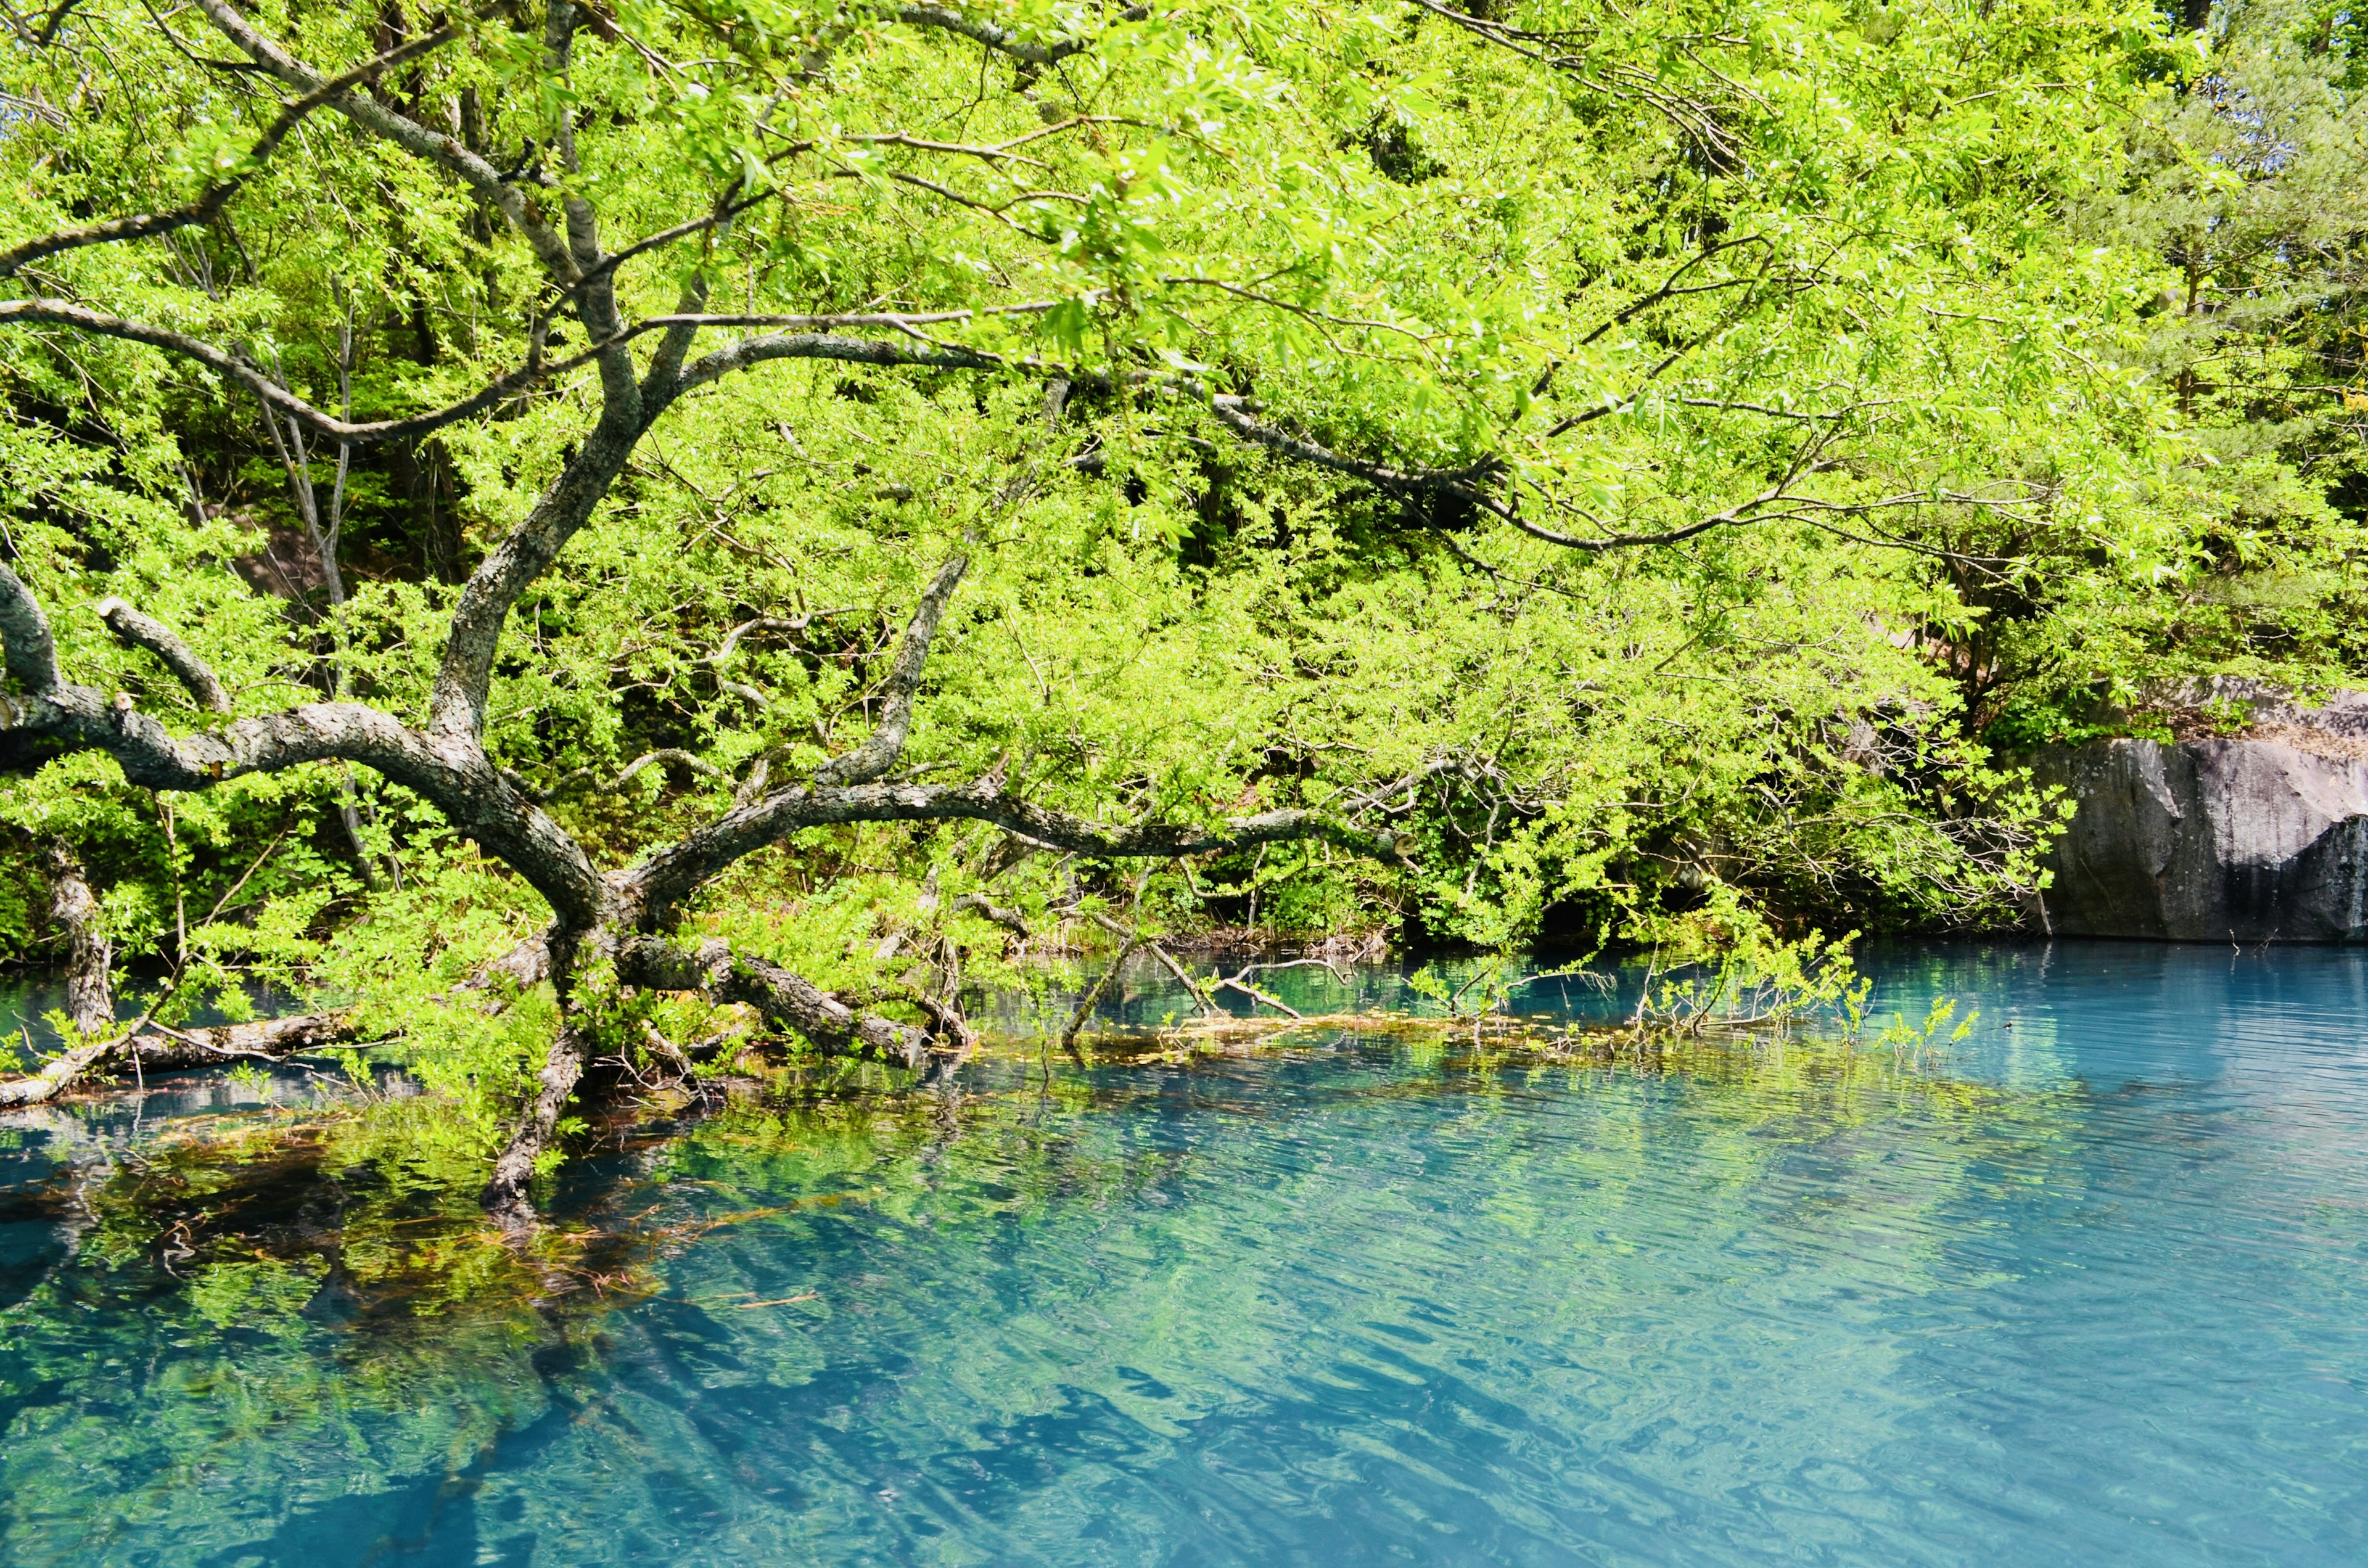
519 514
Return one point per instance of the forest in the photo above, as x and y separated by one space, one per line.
569 546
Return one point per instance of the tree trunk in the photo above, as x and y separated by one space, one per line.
90 1001
536 1130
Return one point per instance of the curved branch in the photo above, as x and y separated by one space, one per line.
1231 412
457 702
1003 39
814 345
1461 484
880 749
211 203
1011 919
635 770
64 312
549 244
146 631
652 891
56 717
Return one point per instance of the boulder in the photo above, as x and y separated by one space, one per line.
2255 837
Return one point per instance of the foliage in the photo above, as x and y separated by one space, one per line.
1662 464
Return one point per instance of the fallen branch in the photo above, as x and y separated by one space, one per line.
152 1045
781 997
1093 996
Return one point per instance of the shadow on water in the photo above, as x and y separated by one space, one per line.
2087 1290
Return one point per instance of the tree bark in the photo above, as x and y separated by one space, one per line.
90 999
536 1130
785 999
160 1048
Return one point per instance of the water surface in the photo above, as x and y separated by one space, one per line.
2096 1291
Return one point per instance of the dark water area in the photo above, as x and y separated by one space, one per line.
2092 1290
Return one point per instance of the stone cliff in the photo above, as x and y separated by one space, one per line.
2261 837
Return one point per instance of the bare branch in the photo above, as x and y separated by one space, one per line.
765 624
550 246
1671 288
155 1047
1463 482
979 903
752 351
633 769
1093 994
1241 983
1137 939
146 631
1760 508
64 312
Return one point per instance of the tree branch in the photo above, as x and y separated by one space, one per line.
652 890
145 631
211 201
1011 919
32 653
64 312
157 1048
633 769
457 702
55 717
752 351
714 970
1003 39
90 957
550 246
881 749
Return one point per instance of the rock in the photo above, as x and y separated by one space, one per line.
2255 838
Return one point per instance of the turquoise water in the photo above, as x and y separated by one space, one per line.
2093 1292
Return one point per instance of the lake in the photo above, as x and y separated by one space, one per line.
2090 1287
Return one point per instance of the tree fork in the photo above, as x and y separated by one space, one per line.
445 761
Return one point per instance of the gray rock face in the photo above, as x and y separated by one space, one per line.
2248 840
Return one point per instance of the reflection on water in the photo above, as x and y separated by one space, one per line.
2094 1297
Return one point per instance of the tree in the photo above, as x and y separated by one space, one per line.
1440 320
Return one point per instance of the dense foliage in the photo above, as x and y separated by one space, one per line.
1625 474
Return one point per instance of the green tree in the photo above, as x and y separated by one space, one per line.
1538 455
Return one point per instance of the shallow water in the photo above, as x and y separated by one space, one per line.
2095 1291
